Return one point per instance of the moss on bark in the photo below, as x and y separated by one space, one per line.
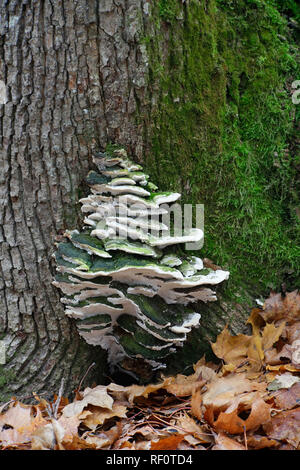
222 130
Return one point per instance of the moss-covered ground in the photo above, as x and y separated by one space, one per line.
223 130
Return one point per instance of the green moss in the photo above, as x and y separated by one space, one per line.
223 132
6 376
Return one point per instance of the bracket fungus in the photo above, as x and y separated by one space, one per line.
122 279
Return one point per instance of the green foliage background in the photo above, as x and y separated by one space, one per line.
225 132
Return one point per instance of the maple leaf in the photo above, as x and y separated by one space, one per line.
232 423
232 349
21 424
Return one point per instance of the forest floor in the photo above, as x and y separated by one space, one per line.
249 400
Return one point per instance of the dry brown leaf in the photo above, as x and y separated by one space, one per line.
100 415
288 399
102 440
43 438
282 368
277 307
97 396
184 385
285 380
167 443
271 335
230 421
196 403
140 429
48 436
260 442
22 424
232 349
135 391
78 443
289 351
221 392
224 442
204 371
263 338
292 332
189 425
70 426
285 426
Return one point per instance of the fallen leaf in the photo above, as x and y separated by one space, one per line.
282 368
167 443
204 371
261 442
196 403
100 415
277 307
271 335
21 424
70 427
285 380
184 385
97 396
226 443
189 425
231 422
232 349
47 436
288 399
285 426
221 392
78 443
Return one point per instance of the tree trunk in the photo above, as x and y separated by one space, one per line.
76 75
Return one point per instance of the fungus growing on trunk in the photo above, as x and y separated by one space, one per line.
125 293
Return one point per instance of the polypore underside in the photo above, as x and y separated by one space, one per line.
121 283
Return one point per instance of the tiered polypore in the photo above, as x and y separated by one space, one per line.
125 293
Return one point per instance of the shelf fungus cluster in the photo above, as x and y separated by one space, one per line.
121 276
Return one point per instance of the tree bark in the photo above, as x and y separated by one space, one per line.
76 74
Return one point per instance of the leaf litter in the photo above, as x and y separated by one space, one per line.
251 400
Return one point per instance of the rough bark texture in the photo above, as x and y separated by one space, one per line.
76 74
